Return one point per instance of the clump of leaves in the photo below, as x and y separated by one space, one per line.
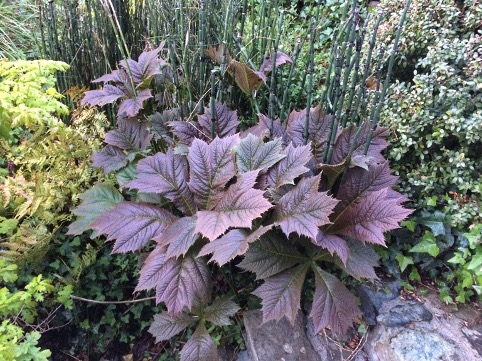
267 196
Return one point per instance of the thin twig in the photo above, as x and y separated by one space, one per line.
112 302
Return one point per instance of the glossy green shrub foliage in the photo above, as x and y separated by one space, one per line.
435 108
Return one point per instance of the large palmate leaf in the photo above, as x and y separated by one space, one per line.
276 126
130 134
232 244
166 326
200 347
160 125
167 175
225 120
186 131
361 261
108 94
183 280
238 207
303 209
252 153
96 201
280 294
290 167
148 65
334 245
132 225
151 271
179 237
211 167
131 106
110 158
281 59
220 311
371 216
318 130
270 255
333 305
348 138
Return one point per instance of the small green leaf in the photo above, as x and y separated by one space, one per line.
403 261
427 245
410 225
414 275
475 262
432 201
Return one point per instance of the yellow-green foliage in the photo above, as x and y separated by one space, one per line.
20 308
46 164
27 94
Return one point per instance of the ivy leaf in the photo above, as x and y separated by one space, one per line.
280 294
403 261
232 244
318 130
130 107
96 201
252 153
238 207
270 255
281 59
220 311
303 209
108 94
130 135
333 244
132 225
428 245
361 262
151 271
166 326
225 124
181 281
211 167
368 218
167 175
290 167
200 347
110 158
179 237
333 305
247 79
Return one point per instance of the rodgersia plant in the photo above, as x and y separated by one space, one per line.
283 198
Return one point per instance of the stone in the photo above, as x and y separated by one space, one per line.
373 295
243 356
277 341
401 315
474 335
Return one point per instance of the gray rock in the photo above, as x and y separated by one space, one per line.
401 315
373 295
277 341
243 356
474 335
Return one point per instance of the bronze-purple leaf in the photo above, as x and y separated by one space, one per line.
148 65
132 225
333 305
186 131
183 280
333 244
130 107
150 273
200 347
220 311
252 153
280 294
290 167
232 244
361 261
110 158
303 209
179 237
131 134
167 175
211 167
225 120
369 217
281 58
108 94
238 207
166 326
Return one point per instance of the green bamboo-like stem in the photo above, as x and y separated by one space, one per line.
202 35
287 84
310 72
272 88
361 95
214 73
243 17
172 57
376 97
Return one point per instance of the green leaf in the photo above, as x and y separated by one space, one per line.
403 261
475 262
96 201
410 225
432 201
427 245
7 225
414 275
